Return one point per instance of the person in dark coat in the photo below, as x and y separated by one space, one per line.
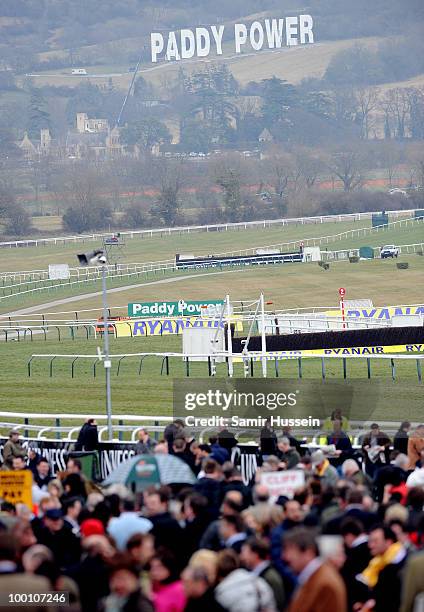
358 557
227 439
199 591
88 439
195 511
218 452
268 439
341 441
64 545
383 576
210 486
166 529
376 449
171 432
126 594
400 441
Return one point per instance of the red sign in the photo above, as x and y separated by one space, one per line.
342 291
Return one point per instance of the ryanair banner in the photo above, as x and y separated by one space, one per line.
386 312
167 326
354 351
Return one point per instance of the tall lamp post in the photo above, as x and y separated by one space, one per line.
99 258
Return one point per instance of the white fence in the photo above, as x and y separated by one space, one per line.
223 227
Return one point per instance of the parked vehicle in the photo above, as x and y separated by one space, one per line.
389 250
80 71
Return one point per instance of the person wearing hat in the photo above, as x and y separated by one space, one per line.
323 469
13 448
64 545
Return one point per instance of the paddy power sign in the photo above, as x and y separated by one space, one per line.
175 309
258 36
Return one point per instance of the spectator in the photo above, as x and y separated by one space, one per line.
255 556
88 439
415 446
42 475
320 585
227 440
199 591
179 450
238 590
166 529
141 548
14 581
341 441
145 444
127 524
286 453
59 539
167 589
13 448
357 556
400 441
218 452
18 464
72 509
171 432
125 591
352 472
382 576
210 486
268 440
323 469
231 530
375 449
196 517
336 415
413 586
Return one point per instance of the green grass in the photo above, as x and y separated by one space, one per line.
151 393
158 248
287 286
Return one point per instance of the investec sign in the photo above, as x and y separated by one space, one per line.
174 309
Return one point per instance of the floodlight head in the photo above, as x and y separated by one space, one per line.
94 258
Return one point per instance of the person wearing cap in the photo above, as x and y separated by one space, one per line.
64 545
323 469
376 449
13 448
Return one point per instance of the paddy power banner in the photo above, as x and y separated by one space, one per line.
362 351
386 312
165 327
174 309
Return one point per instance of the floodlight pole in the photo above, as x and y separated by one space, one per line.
107 362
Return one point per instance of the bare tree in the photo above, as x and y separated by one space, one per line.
397 109
367 101
348 167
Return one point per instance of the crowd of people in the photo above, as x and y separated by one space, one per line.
350 539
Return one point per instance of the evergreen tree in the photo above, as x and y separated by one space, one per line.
38 114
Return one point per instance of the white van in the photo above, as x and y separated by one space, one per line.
79 71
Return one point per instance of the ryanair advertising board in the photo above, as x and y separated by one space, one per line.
354 351
386 312
167 326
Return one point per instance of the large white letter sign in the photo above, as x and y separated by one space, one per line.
291 31
203 41
188 44
274 32
172 48
257 41
218 33
156 40
240 33
306 23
